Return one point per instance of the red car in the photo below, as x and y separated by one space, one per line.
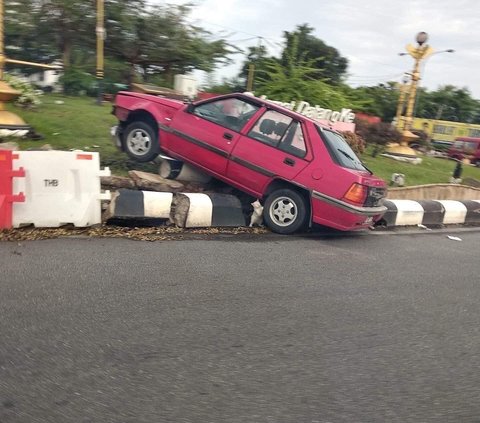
466 147
302 171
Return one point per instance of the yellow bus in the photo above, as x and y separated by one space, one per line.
444 132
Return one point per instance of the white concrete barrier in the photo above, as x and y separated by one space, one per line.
60 187
130 204
175 169
455 211
408 212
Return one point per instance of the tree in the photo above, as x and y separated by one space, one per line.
151 41
298 80
380 100
67 23
378 134
448 103
25 37
256 56
331 65
162 42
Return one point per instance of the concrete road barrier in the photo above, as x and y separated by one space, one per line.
431 212
204 210
130 204
186 210
196 210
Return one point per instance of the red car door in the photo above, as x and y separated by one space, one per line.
205 134
274 147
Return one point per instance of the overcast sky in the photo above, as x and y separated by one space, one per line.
369 33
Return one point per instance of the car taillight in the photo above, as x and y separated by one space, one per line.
356 194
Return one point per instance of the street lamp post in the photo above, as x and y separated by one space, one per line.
401 103
419 52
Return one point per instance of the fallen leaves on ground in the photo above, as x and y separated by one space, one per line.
159 233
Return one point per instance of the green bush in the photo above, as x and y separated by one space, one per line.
29 97
76 82
355 141
378 134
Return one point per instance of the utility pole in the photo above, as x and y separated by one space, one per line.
251 73
100 30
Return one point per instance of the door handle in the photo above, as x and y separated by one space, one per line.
289 161
228 136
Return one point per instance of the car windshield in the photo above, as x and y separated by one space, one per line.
340 151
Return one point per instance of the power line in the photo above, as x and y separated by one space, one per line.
374 77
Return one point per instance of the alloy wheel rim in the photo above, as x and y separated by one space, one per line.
283 211
139 142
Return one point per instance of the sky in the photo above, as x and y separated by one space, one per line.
369 33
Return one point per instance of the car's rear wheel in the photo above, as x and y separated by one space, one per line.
140 141
285 211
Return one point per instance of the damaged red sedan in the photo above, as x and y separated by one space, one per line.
302 171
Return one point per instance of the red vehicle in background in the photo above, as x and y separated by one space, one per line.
302 171
465 148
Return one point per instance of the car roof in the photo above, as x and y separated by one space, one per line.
267 103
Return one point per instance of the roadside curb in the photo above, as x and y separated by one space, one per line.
431 212
197 210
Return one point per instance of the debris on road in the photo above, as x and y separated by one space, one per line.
454 238
161 233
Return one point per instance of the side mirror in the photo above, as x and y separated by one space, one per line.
190 108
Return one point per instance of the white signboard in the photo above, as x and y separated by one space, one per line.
316 112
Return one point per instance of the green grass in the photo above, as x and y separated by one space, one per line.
432 170
79 123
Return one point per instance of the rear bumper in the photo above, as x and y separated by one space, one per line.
338 214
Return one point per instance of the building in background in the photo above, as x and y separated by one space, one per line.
47 79
186 85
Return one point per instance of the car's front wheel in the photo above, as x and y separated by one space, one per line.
140 141
285 211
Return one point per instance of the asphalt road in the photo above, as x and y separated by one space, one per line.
339 329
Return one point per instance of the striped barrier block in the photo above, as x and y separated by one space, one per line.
403 213
473 212
204 210
455 212
129 204
431 212
186 210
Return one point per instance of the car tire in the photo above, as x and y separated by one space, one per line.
140 141
285 211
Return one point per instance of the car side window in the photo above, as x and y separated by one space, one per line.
232 113
280 131
270 128
294 141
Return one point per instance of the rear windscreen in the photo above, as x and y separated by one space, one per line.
340 151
